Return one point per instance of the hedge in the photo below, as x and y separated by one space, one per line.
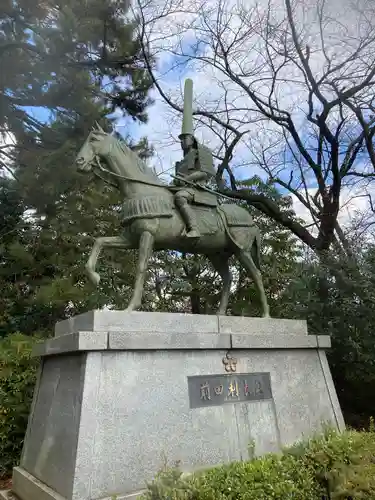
331 466
17 381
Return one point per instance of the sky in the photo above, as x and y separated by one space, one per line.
178 32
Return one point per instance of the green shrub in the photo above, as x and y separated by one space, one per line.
17 381
344 464
332 466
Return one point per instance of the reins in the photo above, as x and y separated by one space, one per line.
148 183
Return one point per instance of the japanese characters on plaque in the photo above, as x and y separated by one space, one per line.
216 390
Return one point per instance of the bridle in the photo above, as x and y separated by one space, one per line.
97 162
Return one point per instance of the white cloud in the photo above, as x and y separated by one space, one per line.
354 204
189 22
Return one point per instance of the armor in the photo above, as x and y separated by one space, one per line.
206 160
197 160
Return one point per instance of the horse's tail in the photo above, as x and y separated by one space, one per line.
255 249
252 244
223 217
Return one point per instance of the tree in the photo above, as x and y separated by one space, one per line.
290 88
43 255
350 323
280 256
51 214
54 56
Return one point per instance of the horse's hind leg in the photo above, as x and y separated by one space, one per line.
246 260
145 251
221 265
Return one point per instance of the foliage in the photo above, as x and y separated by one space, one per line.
339 309
336 466
17 381
57 56
42 265
280 252
61 74
343 464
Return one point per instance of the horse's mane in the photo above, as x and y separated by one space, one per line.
143 168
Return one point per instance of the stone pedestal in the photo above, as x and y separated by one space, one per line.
118 396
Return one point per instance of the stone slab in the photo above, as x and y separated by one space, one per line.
276 341
261 326
331 390
140 341
30 488
80 341
156 322
55 421
324 341
111 404
122 340
6 495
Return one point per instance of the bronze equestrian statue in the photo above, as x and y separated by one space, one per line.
186 216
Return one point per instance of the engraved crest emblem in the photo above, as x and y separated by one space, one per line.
230 363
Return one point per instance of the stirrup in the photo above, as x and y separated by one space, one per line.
193 233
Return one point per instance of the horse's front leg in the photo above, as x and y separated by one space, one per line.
100 243
146 243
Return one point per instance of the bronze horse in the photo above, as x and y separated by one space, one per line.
152 222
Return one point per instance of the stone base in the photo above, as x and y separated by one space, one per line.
7 495
31 488
113 405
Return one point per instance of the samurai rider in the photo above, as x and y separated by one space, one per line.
196 166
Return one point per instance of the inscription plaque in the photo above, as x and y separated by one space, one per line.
216 390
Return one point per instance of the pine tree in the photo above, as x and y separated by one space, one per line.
64 60
51 55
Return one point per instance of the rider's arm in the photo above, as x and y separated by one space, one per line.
197 176
176 182
177 167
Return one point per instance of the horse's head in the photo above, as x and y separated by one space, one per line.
97 144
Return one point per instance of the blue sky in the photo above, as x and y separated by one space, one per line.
38 112
137 130
175 77
173 70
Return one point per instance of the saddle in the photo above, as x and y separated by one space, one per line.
200 197
205 198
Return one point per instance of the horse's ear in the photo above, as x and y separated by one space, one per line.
98 127
95 136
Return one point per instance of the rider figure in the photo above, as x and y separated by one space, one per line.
196 165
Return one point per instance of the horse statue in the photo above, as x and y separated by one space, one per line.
153 222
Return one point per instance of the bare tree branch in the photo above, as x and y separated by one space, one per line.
301 105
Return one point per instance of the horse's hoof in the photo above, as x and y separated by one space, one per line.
95 278
130 309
